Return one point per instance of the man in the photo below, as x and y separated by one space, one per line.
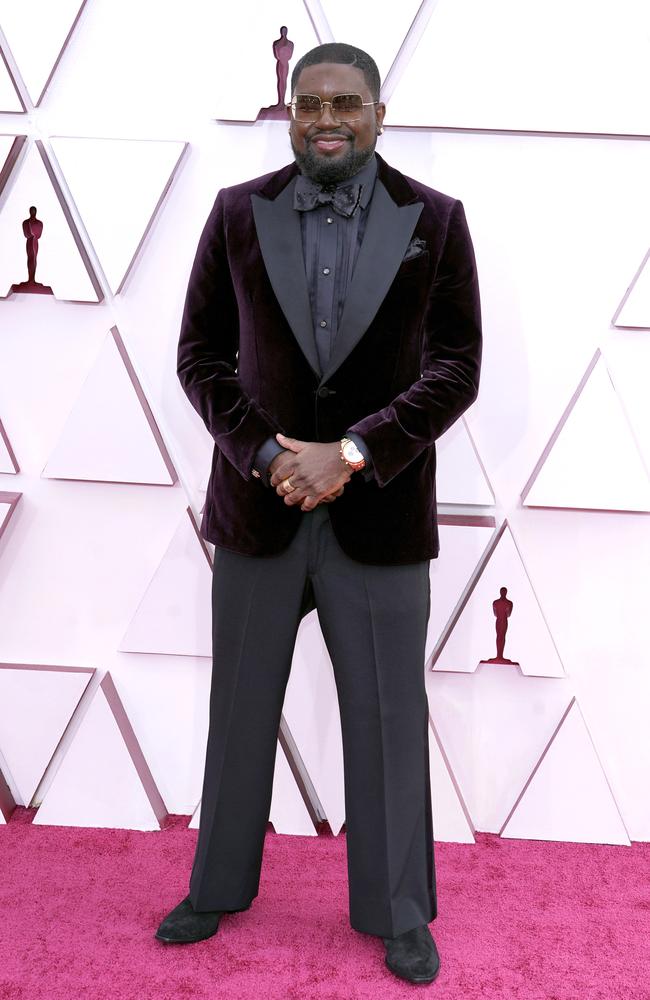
331 333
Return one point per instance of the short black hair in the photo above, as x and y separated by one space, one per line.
348 55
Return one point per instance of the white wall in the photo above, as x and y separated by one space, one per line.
537 118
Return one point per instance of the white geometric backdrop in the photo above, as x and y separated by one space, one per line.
120 125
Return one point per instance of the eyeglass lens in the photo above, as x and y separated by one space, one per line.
309 107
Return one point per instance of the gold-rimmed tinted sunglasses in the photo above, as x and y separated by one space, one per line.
343 107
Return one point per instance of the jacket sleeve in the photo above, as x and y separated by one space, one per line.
451 360
208 348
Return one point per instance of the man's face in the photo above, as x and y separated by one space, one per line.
328 151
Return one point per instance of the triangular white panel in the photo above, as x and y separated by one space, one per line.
471 637
97 782
36 705
288 810
110 434
8 463
592 461
5 513
175 613
357 24
460 477
312 714
628 362
505 83
7 792
117 186
6 142
634 310
9 100
196 818
260 25
463 541
450 821
493 725
8 503
59 263
568 797
37 33
205 479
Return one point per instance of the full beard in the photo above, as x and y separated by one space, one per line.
328 172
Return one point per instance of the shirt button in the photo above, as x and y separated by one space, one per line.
323 322
330 220
326 270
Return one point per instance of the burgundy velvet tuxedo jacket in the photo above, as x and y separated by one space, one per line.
404 366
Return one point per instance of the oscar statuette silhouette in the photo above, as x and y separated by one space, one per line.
282 50
32 230
502 609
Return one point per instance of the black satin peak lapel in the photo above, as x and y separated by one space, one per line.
279 235
388 232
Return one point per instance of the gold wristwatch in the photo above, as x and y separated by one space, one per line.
351 455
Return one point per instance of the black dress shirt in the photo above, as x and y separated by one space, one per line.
330 244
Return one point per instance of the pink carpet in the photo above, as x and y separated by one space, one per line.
533 920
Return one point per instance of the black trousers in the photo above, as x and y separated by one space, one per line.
374 622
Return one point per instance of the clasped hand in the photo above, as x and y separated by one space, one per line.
317 472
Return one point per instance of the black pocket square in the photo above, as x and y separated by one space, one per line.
415 248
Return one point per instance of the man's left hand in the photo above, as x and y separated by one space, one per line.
316 471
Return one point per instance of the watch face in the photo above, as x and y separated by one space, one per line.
351 453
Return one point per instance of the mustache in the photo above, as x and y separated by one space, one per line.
328 135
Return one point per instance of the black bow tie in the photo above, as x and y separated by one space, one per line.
308 195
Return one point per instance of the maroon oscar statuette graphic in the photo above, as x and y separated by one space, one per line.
282 50
32 230
502 609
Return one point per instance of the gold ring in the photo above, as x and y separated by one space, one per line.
288 485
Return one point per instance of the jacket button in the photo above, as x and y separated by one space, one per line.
324 392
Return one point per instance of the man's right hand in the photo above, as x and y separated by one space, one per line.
284 464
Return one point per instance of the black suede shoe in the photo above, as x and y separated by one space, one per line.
183 925
413 955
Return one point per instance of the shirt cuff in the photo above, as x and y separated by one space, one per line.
367 471
263 459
